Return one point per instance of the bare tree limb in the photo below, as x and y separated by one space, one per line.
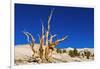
27 33
49 19
51 38
53 44
39 37
63 38
27 37
42 27
31 43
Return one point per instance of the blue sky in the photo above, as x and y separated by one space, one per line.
76 22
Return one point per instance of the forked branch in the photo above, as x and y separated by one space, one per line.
51 38
53 44
30 42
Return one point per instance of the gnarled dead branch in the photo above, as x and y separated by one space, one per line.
51 38
49 19
53 44
30 42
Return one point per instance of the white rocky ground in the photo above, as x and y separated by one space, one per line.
23 54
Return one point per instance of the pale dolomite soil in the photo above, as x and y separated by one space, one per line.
23 54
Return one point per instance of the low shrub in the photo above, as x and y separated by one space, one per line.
73 53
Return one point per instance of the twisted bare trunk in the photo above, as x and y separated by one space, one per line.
44 53
47 48
41 50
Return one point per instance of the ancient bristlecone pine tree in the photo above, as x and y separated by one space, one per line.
44 52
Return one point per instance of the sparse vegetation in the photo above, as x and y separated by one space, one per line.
87 54
59 51
64 51
73 53
76 52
